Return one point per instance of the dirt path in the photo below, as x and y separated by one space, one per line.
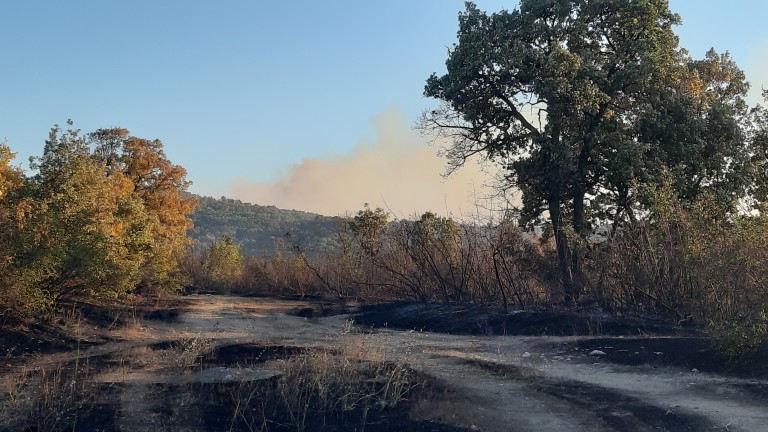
543 389
500 383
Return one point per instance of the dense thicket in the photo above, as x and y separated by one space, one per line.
99 216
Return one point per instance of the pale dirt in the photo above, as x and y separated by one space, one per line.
484 400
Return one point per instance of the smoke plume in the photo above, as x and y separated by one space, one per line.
398 171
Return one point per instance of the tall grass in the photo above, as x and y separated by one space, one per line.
48 398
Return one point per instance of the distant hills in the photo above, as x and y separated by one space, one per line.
261 230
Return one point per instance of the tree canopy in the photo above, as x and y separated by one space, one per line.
91 221
583 103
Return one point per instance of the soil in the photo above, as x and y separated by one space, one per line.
177 365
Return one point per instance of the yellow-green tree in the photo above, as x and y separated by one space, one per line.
83 230
368 226
10 176
224 264
11 179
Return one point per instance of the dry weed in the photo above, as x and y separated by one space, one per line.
319 383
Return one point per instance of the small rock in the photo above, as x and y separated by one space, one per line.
694 370
597 353
658 353
526 354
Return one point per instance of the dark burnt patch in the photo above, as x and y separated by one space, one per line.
502 370
484 320
20 340
756 391
687 353
250 354
620 411
216 410
163 315
322 310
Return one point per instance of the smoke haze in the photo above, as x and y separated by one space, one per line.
398 170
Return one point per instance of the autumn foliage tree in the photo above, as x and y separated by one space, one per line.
161 187
86 224
81 232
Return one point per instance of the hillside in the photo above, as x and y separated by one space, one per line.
260 229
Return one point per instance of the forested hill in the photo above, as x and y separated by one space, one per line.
260 229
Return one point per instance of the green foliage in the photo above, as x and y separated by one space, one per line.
584 102
90 224
738 340
368 226
10 176
224 264
85 230
11 180
758 140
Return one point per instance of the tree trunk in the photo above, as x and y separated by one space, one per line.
561 240
561 244
578 229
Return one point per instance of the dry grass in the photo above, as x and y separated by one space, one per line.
48 398
319 384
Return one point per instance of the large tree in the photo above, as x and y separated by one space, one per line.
162 187
568 96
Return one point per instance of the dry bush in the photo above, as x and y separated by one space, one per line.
694 264
186 353
431 258
437 259
321 384
280 275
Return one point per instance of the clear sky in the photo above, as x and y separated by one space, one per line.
300 104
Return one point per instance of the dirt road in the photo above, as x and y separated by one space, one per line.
499 383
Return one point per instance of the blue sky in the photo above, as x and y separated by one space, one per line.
245 94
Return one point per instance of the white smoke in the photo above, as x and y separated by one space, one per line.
398 170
